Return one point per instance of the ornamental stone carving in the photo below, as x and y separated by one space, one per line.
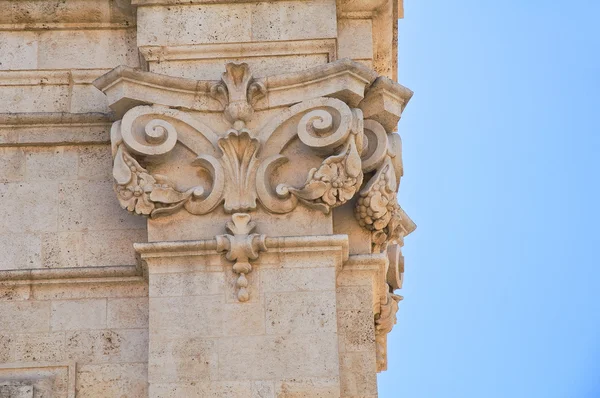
320 139
241 247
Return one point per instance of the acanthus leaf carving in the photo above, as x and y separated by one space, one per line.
240 247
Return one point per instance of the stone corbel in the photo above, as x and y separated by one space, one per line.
241 247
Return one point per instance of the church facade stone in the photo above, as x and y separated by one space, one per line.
199 197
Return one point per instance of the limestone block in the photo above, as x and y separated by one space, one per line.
308 388
307 259
35 15
16 391
6 346
25 316
92 205
107 345
78 314
243 319
186 284
67 49
173 315
112 380
294 20
191 24
18 50
263 389
120 242
229 389
355 39
356 329
175 358
12 164
44 98
51 163
358 374
292 280
20 251
127 313
62 249
268 357
300 313
211 69
45 347
354 297
95 163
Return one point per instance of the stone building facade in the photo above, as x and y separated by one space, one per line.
198 197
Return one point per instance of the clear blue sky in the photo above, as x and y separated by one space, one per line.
502 176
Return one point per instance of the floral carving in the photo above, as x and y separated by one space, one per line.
334 182
134 184
241 247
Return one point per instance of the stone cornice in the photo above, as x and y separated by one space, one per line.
126 87
206 247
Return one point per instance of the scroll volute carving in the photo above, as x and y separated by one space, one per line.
327 126
240 161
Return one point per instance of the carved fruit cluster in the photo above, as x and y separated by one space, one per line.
375 207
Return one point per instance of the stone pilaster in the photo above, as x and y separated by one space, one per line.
273 225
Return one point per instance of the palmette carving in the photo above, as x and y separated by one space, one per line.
237 92
239 162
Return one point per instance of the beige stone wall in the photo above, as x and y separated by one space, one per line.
85 314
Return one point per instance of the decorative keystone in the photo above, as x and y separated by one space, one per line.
241 247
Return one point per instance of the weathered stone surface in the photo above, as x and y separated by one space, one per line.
255 147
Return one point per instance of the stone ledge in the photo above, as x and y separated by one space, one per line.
209 246
80 274
238 50
54 128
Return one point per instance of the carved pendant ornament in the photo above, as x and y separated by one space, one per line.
241 162
241 247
